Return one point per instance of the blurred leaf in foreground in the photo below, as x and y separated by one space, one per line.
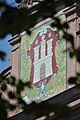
61 110
2 55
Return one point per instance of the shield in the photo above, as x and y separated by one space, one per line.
42 54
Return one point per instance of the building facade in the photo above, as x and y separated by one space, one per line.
40 58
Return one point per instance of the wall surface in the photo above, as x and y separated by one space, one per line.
21 64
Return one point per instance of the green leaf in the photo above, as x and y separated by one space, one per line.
71 53
78 86
78 55
2 55
69 2
61 110
72 80
12 107
3 110
65 25
69 38
12 80
11 95
3 86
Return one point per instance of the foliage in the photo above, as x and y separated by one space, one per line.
11 22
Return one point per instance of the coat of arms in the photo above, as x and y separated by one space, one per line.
42 54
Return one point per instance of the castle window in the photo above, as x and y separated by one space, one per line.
43 44
42 71
49 43
36 53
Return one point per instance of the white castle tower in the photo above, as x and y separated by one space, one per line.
43 64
